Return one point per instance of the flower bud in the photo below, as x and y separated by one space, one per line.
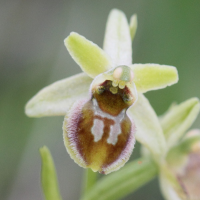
98 134
184 162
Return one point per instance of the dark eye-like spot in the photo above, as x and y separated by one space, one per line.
100 89
126 98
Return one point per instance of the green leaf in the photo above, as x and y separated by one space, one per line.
117 41
89 180
58 97
149 132
178 119
48 176
153 76
133 26
119 184
91 58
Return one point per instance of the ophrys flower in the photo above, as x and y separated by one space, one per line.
98 132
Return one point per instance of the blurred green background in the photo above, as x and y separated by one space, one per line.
32 55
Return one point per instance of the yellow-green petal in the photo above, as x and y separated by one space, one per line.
178 119
91 58
149 132
153 76
58 97
117 41
133 26
48 176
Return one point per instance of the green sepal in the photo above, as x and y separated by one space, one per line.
178 119
57 98
149 132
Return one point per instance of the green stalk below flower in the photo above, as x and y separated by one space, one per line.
117 185
89 181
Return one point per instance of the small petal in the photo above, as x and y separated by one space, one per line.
91 58
133 26
153 76
149 131
98 134
178 119
117 42
58 97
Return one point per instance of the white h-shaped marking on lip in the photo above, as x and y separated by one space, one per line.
97 129
98 125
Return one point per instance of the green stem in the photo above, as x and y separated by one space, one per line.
90 178
118 184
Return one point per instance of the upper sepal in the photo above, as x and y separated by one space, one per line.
117 40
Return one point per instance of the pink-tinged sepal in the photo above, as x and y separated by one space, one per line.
189 173
184 163
98 134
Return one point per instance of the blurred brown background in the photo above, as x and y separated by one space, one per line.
32 55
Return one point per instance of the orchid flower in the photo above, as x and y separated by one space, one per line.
104 106
180 172
182 179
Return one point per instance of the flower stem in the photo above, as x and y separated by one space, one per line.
89 181
118 184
